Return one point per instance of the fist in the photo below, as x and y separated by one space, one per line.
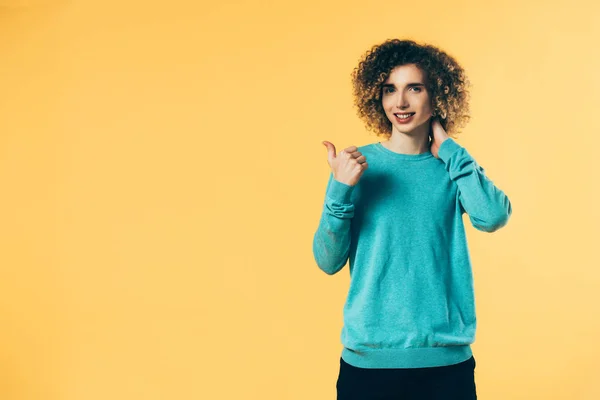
348 166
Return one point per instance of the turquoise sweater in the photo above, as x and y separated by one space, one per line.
411 300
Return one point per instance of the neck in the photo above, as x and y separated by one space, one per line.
414 142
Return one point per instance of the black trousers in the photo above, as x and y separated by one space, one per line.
450 382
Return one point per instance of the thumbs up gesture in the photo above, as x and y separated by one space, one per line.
348 166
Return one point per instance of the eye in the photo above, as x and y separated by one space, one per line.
416 88
387 89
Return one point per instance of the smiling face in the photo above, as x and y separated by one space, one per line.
405 92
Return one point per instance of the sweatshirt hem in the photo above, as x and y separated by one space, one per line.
420 357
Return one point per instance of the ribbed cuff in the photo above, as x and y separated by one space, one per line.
339 191
447 148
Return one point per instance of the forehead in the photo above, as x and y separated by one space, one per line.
406 73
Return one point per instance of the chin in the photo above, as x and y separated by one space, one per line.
410 128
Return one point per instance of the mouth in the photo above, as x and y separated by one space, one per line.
404 118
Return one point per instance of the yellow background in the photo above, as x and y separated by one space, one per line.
162 177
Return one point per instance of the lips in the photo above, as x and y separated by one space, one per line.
405 120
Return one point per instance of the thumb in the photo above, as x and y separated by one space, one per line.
330 151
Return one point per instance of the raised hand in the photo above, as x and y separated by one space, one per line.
348 166
438 136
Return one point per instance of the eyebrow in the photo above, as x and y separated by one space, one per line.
409 85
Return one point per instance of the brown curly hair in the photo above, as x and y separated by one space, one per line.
446 80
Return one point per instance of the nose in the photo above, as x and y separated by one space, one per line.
402 103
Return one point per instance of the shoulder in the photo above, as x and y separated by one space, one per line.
367 147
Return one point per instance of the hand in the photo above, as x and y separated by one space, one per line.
348 166
438 136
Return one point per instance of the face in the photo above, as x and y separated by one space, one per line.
403 92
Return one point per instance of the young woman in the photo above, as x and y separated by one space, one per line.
409 316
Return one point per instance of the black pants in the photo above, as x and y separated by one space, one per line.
451 382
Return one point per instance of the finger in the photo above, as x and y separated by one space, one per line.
330 151
351 149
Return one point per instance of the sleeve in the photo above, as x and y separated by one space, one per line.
487 206
331 241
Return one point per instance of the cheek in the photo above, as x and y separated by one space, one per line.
385 103
427 108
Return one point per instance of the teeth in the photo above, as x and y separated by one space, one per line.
404 115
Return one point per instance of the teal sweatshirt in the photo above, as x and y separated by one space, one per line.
411 300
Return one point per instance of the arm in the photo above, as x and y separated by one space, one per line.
487 206
331 241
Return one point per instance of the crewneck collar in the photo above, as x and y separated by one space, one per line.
399 156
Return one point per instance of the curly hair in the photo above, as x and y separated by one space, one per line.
446 80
